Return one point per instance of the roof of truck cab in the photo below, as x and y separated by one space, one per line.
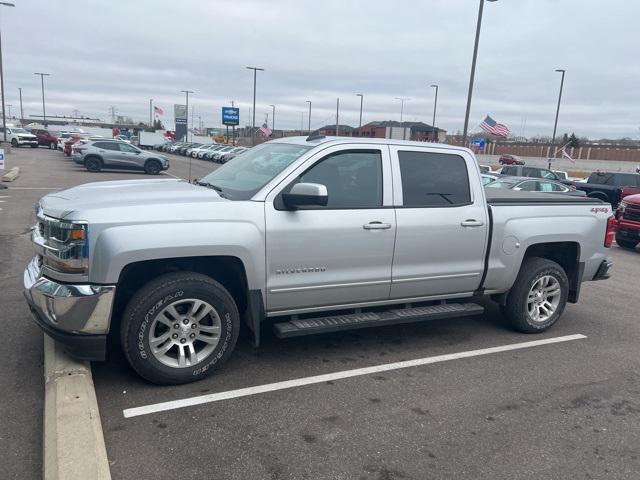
351 140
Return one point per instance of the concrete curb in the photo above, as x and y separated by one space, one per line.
73 442
11 175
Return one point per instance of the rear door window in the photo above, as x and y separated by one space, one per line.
433 179
509 170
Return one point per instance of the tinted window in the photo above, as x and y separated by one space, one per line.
548 174
106 145
530 172
125 147
530 186
509 170
433 179
353 178
557 187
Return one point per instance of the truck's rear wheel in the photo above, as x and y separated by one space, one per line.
179 327
626 243
538 297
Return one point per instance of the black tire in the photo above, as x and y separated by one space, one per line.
152 167
516 309
93 164
14 143
626 243
139 316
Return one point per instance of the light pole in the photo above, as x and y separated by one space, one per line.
4 122
186 120
473 71
44 112
402 100
309 102
253 122
337 116
273 120
150 112
21 111
555 125
435 106
361 102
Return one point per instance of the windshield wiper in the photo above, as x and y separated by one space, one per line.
211 185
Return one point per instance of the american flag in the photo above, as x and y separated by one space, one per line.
566 155
158 110
265 130
495 128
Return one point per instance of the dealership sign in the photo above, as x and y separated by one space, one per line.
180 114
230 116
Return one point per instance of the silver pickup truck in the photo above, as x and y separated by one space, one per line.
306 235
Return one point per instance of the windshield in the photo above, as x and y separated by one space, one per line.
242 177
500 184
19 130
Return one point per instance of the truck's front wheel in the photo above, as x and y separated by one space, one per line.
179 327
538 296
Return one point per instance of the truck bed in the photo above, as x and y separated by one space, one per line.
498 196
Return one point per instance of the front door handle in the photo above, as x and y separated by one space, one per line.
376 226
471 222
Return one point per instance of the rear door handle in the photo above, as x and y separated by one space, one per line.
471 222
376 226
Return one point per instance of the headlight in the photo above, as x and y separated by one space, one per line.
64 245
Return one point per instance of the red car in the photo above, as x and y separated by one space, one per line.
628 228
68 145
46 138
510 160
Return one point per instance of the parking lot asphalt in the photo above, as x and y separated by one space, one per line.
21 375
563 410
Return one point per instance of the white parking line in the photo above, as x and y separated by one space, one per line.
300 382
171 175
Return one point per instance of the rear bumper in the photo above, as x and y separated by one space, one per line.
603 270
77 316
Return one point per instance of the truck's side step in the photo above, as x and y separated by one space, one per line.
336 323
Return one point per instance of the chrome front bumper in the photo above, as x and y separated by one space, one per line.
70 309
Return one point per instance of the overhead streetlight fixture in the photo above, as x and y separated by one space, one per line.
361 102
253 123
435 105
473 71
555 125
402 100
4 122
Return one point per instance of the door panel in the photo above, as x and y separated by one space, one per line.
439 246
337 254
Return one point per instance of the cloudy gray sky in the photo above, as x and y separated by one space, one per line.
114 52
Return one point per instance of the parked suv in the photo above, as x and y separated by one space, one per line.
510 160
46 138
98 154
19 137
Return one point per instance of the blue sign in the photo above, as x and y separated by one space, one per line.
230 116
478 144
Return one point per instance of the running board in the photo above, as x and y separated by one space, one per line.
336 323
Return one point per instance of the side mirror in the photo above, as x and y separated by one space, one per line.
517 188
302 194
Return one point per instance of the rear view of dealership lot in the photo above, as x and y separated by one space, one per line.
456 396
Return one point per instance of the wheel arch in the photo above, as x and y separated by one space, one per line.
565 254
229 271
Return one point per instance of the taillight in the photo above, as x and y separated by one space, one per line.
571 187
611 231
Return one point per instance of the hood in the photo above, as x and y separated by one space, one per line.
26 135
127 199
